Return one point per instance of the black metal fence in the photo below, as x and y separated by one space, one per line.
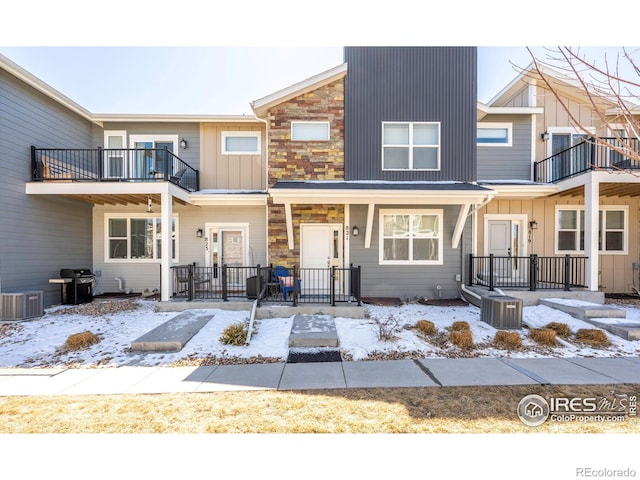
532 272
268 284
588 155
112 164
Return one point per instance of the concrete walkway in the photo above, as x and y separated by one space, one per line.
428 372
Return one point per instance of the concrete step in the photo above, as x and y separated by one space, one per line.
583 310
173 334
621 328
312 331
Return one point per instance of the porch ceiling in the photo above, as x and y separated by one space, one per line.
606 190
132 199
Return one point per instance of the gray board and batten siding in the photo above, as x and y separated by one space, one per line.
39 234
410 84
409 281
507 163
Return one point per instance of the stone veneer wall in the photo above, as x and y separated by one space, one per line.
304 161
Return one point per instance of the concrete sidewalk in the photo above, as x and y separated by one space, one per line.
429 372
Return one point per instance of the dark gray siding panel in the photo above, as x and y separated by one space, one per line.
409 281
38 234
189 131
507 163
435 84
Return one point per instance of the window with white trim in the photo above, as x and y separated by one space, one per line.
491 134
411 237
613 232
133 238
310 131
240 143
411 146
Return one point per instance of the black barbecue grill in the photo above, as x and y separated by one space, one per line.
76 285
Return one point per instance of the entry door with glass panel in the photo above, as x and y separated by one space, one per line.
114 158
151 158
321 248
504 243
575 160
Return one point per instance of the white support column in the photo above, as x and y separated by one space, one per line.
347 235
591 208
287 214
369 228
166 214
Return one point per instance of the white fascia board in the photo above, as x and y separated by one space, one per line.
524 191
389 197
229 199
33 81
106 188
484 110
175 118
263 104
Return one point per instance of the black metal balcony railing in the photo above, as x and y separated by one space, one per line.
532 272
112 164
308 285
586 156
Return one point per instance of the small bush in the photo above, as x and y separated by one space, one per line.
562 329
545 336
80 341
426 327
234 334
461 338
592 336
460 326
387 328
504 339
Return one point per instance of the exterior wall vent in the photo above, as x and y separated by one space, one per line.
501 311
21 306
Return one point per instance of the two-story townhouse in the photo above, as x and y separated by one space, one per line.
557 194
399 202
94 191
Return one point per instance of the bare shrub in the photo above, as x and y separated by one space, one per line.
545 336
461 338
426 327
80 341
387 328
504 339
234 334
562 329
460 326
592 336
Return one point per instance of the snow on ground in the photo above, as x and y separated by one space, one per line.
38 342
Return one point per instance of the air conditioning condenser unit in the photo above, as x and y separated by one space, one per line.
501 311
21 306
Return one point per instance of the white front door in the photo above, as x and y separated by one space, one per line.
320 249
226 245
504 239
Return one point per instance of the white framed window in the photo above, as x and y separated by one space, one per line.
136 238
310 131
490 134
613 229
241 143
410 237
410 145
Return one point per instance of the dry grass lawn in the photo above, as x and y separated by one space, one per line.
401 410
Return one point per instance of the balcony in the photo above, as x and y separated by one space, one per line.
586 156
112 165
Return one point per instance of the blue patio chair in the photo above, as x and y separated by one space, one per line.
285 279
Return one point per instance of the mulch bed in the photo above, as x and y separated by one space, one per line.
383 301
451 302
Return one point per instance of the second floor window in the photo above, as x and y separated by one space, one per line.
310 131
240 143
411 146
